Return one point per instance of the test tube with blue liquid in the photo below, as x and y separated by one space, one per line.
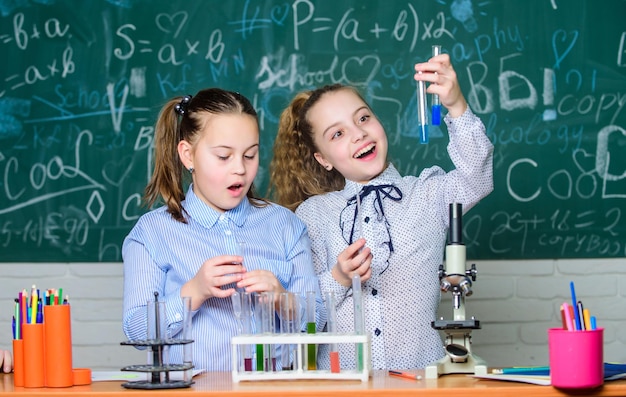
436 102
422 114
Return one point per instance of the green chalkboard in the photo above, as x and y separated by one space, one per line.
82 83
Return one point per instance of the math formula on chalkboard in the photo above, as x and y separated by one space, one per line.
82 82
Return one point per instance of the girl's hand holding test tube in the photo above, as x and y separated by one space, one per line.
356 258
439 72
262 281
214 274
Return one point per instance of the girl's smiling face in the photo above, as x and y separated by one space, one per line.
348 136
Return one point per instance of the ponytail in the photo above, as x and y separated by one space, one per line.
167 178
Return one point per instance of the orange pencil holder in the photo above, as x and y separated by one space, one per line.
18 362
32 336
58 346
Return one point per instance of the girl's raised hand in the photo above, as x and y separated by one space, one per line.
212 276
438 71
356 258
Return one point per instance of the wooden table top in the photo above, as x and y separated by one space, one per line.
379 384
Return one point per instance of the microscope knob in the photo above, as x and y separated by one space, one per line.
466 287
445 285
472 272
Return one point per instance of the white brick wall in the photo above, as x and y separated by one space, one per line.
515 302
95 292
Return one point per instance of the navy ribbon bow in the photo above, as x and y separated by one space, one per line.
382 192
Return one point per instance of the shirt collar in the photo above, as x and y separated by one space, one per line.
390 176
199 211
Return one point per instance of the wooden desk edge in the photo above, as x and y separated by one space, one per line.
380 384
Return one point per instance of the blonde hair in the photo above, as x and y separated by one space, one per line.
295 174
181 118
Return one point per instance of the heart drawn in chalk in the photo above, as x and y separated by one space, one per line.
360 70
168 23
115 172
279 13
559 37
583 160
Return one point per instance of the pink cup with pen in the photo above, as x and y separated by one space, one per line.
576 358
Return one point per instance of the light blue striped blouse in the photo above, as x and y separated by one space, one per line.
161 254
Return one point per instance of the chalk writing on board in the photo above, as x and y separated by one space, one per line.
84 82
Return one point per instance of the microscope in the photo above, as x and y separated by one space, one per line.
458 281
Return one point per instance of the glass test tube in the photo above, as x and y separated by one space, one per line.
286 301
259 308
310 329
236 299
359 329
422 115
246 315
359 224
331 310
187 335
436 102
240 251
268 328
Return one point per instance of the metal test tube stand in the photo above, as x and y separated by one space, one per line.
459 357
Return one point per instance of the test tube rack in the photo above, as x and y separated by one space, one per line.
301 341
159 377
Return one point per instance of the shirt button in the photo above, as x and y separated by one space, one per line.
367 219
374 292
377 332
228 232
178 317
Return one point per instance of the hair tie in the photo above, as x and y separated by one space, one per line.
181 107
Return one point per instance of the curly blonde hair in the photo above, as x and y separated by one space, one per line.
295 174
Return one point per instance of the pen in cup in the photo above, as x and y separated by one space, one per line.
576 318
581 316
568 319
